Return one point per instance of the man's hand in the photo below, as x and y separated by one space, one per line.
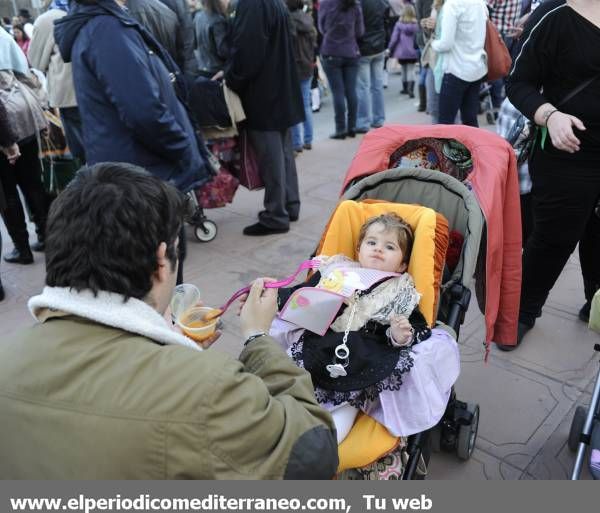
402 331
259 309
12 153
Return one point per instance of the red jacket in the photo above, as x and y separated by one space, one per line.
494 180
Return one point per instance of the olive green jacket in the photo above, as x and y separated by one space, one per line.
82 400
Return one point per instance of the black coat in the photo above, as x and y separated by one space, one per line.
376 16
262 69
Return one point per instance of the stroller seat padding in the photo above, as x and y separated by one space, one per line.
429 249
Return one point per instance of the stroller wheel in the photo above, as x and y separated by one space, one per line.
206 231
577 427
467 434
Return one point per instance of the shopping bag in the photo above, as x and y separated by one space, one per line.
57 173
53 140
219 191
247 170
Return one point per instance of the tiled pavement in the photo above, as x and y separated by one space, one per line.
527 397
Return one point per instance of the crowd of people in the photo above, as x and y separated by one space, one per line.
119 73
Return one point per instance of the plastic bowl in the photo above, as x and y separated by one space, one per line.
193 325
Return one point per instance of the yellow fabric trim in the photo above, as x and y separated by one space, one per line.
367 442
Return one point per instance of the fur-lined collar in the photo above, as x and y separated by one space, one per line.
109 309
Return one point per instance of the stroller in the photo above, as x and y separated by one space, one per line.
207 102
585 427
387 168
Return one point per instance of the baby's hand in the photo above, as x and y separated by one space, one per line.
402 331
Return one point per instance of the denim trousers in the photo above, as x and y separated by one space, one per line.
369 88
302 133
341 74
433 98
457 94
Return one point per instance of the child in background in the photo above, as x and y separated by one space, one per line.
402 47
396 369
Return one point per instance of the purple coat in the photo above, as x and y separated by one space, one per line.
402 44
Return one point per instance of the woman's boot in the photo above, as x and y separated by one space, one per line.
411 89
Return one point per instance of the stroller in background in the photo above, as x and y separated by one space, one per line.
585 427
211 114
388 167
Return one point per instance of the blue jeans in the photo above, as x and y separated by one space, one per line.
297 141
341 74
433 98
455 95
369 88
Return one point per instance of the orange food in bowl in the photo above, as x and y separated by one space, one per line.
193 323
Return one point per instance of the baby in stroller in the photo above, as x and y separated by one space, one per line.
379 355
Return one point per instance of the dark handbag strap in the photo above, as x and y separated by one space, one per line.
578 89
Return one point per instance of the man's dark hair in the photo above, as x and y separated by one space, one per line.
104 230
214 6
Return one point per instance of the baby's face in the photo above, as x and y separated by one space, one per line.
380 250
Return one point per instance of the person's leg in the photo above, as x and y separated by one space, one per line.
404 68
526 216
469 107
13 215
308 127
497 92
350 71
363 87
410 75
422 89
343 418
29 179
451 97
71 121
377 101
297 136
268 146
589 255
562 206
333 70
433 98
292 191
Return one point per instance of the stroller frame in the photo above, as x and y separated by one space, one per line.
457 430
584 423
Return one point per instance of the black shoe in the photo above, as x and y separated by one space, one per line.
338 135
293 219
361 130
351 133
1 291
38 246
16 256
522 330
584 313
260 229
308 146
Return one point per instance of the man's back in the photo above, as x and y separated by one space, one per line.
262 68
80 400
